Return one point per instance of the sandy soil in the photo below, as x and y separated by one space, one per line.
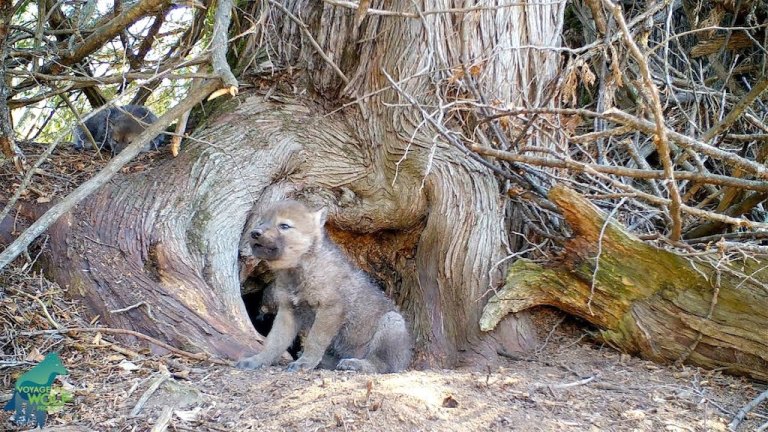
570 384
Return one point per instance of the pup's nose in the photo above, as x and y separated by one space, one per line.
255 234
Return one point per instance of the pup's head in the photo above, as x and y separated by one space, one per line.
286 232
124 130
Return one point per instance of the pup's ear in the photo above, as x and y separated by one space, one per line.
321 216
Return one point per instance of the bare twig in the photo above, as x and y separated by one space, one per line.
219 44
150 339
134 306
381 12
446 134
660 138
684 141
629 144
752 235
636 123
540 348
156 383
737 110
746 409
593 136
162 422
28 179
103 34
114 78
686 209
565 385
485 111
621 171
600 237
47 314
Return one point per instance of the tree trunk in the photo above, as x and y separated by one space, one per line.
647 301
417 213
412 168
167 239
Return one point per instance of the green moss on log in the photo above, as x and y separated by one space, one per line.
646 301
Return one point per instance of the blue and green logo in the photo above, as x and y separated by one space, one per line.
33 397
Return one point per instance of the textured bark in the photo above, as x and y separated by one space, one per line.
168 237
410 165
425 220
647 301
8 145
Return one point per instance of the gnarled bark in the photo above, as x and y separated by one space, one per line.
423 218
167 238
410 162
647 301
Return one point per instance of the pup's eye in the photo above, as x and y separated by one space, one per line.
284 226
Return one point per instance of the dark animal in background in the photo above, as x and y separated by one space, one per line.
262 309
345 321
114 128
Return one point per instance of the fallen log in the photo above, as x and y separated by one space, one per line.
646 301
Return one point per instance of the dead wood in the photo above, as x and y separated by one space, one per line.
646 301
746 409
734 42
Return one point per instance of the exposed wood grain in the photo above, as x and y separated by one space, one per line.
647 301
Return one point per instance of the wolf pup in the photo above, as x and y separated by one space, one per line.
347 323
114 128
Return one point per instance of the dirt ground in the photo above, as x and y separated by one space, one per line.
571 383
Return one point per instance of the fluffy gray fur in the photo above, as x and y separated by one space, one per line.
346 322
